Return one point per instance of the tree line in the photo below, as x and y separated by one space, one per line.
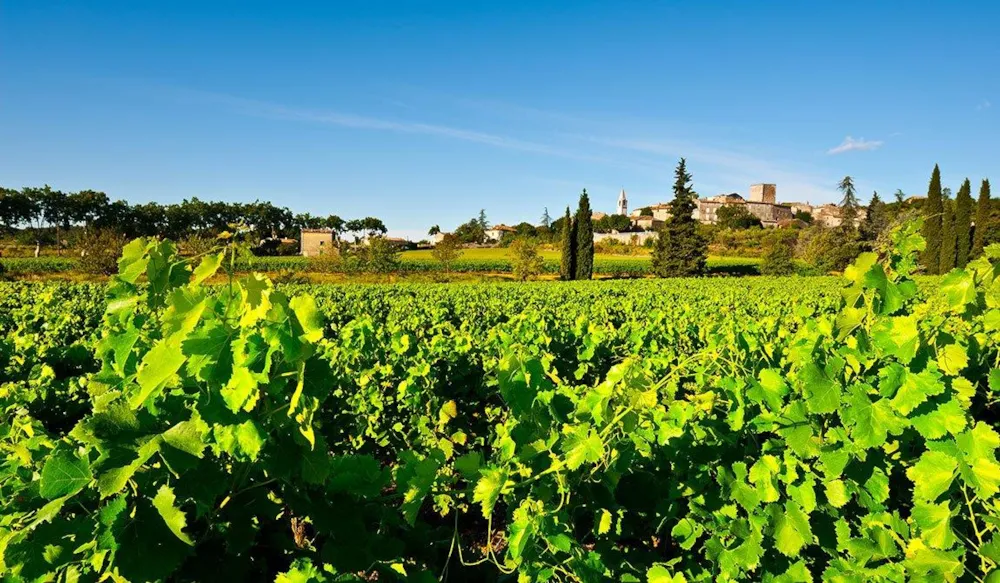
956 230
45 214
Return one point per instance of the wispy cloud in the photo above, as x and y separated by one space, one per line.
582 139
729 170
984 104
254 108
851 145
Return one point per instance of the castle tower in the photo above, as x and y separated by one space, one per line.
622 204
763 193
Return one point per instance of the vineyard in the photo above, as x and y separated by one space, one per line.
624 266
759 429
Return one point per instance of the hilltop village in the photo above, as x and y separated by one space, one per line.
643 223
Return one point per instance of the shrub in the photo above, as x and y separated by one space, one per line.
377 255
99 251
779 253
198 244
742 242
829 249
736 216
525 260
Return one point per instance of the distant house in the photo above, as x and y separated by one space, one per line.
397 242
438 237
661 211
313 242
648 223
829 215
496 232
800 207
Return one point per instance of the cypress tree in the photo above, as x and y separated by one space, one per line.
982 219
947 237
680 249
932 224
584 238
567 263
963 224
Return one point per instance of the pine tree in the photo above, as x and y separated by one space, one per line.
900 195
947 236
482 219
932 224
680 249
567 263
983 219
546 219
963 224
849 204
584 238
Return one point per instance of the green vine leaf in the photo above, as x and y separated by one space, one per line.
164 502
64 474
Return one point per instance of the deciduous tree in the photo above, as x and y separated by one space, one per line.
736 216
447 250
779 253
526 263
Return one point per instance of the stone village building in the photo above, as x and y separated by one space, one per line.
314 242
761 203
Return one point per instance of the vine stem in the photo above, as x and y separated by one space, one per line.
975 527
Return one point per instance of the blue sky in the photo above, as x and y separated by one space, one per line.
424 112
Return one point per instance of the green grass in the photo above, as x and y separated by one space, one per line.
472 261
502 253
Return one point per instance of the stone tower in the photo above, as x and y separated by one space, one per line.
763 193
622 204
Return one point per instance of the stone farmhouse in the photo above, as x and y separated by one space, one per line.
315 242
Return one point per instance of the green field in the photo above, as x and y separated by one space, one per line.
501 253
472 261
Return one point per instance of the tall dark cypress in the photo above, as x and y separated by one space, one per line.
947 236
963 224
680 249
983 219
567 262
584 238
932 224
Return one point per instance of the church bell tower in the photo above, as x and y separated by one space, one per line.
622 204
